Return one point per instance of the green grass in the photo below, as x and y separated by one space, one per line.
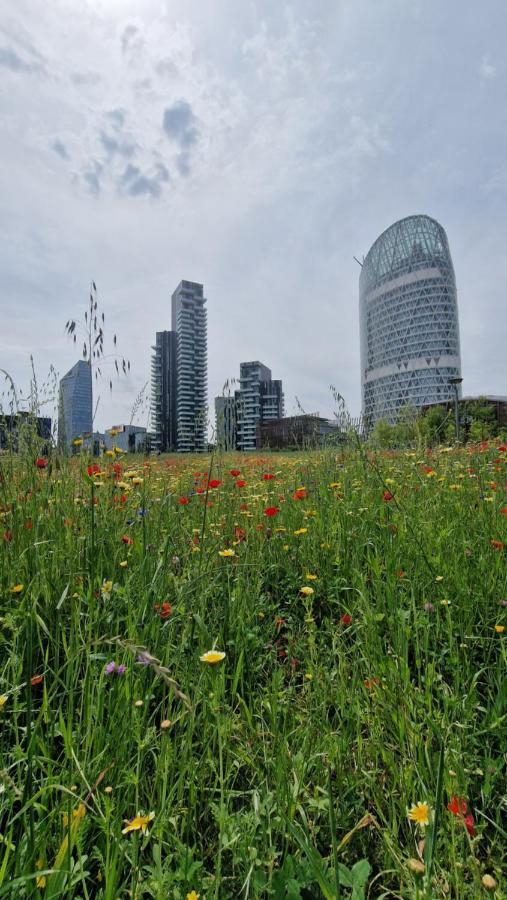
288 767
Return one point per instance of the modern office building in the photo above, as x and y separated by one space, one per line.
189 324
75 404
163 392
225 423
129 438
410 346
260 399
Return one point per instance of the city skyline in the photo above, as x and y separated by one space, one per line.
258 159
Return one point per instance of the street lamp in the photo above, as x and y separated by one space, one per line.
456 381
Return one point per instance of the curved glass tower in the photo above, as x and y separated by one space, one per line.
408 320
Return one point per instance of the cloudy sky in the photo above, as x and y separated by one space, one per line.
255 147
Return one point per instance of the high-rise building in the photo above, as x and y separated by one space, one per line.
163 392
225 422
189 325
410 345
75 412
260 399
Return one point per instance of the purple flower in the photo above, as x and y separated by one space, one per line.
142 660
113 669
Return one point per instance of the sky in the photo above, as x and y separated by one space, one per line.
256 148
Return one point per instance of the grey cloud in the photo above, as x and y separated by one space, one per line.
92 177
180 124
83 78
59 147
9 59
114 145
117 117
137 183
131 38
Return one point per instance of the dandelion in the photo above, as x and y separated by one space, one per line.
17 588
138 823
300 531
310 576
212 657
193 896
420 814
499 629
227 552
307 591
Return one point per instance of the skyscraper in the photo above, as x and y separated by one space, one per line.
189 324
75 404
260 399
163 392
408 319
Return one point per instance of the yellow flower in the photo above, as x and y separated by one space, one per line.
499 629
228 552
193 896
3 700
310 576
306 590
17 588
110 453
40 881
137 480
124 564
138 823
301 531
77 442
212 657
439 578
420 814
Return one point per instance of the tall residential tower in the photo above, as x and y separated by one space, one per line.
410 345
189 323
163 392
260 399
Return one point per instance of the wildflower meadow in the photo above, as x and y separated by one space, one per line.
234 676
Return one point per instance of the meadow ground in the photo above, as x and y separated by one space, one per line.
277 676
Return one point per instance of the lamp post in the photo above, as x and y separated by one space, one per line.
456 383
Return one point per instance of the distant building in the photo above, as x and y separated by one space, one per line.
21 429
75 404
497 405
410 344
301 431
190 326
129 438
259 400
225 423
163 392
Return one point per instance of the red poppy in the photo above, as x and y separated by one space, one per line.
7 536
457 806
40 462
387 496
164 609
243 507
268 476
240 484
93 469
271 511
36 679
183 501
234 473
200 491
346 619
502 448
469 824
497 545
117 469
28 524
214 483
503 511
300 494
126 539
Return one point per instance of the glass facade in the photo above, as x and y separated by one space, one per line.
75 404
408 320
